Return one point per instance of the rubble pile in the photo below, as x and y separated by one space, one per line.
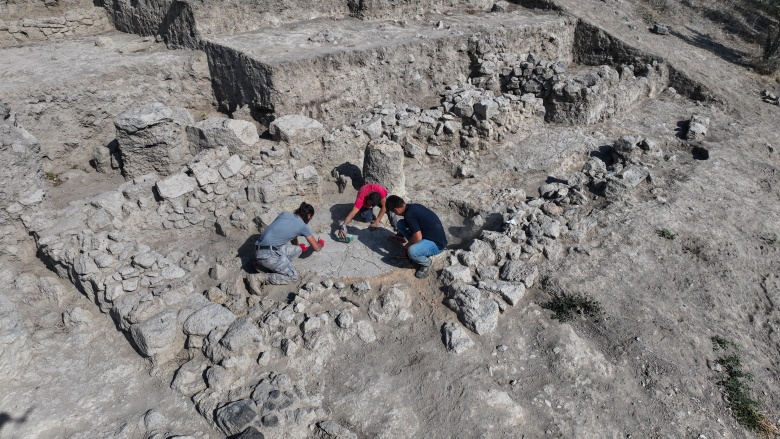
769 97
495 270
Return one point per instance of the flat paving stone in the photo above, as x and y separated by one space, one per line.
370 254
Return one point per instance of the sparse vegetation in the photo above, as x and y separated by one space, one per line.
52 177
734 383
719 342
563 306
666 234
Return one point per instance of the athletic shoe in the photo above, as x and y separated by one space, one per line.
422 272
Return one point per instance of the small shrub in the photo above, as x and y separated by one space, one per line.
52 177
719 342
734 384
666 234
563 306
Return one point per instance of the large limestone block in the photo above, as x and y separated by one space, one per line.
384 164
235 417
152 138
237 135
296 129
189 378
176 185
476 311
157 335
212 316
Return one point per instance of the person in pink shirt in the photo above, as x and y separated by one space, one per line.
369 196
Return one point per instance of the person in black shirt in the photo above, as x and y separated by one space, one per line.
423 231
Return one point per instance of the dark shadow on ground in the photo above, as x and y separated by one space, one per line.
247 253
682 129
706 42
551 179
353 172
375 240
5 418
743 19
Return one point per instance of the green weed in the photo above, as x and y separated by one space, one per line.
719 342
52 177
666 234
564 306
734 383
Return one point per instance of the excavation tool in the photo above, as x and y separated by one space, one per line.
343 236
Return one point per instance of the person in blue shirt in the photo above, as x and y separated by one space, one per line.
423 231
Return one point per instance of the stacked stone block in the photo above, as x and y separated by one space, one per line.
76 22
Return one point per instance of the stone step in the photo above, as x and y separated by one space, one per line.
331 70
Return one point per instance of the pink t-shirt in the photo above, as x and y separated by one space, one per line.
367 189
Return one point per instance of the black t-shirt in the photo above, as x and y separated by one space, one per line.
421 219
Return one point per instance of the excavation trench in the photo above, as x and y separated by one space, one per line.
486 108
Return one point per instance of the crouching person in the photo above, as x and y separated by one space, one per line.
278 245
423 231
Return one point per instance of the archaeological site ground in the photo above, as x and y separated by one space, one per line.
607 173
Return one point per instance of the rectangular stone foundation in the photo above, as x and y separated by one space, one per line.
297 70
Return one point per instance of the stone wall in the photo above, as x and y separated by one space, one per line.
595 47
333 84
76 22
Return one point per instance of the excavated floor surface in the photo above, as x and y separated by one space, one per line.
300 41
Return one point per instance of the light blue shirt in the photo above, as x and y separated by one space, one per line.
286 227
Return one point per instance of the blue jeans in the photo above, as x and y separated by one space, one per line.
419 252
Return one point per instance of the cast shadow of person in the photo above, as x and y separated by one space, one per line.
375 240
247 253
5 418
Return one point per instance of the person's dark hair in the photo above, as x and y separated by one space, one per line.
305 211
394 202
373 199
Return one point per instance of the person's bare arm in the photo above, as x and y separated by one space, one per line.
414 239
382 211
351 215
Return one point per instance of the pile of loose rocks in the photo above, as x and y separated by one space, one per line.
496 269
769 97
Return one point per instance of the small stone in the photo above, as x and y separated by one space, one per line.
365 331
344 320
361 287
661 29
270 420
455 338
